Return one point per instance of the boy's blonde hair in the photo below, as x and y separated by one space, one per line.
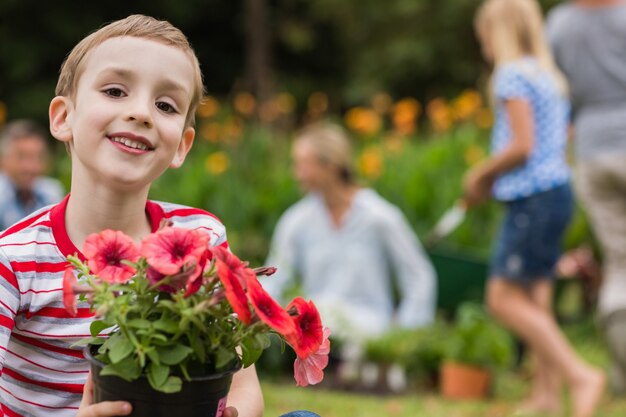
514 29
138 26
331 145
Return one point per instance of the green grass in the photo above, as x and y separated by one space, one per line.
510 389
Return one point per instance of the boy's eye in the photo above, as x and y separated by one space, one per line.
114 92
165 107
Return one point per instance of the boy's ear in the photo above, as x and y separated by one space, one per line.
183 147
59 121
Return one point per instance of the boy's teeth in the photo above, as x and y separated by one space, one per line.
130 143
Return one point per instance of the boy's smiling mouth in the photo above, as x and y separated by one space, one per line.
130 142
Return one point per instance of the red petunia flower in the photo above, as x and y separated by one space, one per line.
311 370
173 250
105 252
268 309
308 336
69 297
232 273
187 279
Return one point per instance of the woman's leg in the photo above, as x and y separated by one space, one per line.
511 305
544 396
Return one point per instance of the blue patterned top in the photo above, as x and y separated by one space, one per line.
546 167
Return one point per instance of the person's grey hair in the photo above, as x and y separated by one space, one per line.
19 129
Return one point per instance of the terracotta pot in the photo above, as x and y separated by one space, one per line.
463 381
203 396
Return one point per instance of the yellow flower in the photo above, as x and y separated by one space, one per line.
285 103
466 104
439 114
484 118
217 163
245 103
211 131
208 107
473 154
363 120
370 163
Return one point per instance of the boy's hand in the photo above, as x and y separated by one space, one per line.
230 412
104 409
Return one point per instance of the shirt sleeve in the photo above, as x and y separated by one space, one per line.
509 83
282 256
414 271
9 303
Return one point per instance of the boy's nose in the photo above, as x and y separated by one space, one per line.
140 113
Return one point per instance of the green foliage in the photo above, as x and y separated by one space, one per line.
472 338
477 340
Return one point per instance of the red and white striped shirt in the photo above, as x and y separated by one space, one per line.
42 375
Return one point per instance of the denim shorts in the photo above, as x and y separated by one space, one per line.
529 243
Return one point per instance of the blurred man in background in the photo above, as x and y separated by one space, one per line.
24 157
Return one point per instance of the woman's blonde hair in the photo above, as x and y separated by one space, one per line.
331 145
514 29
138 26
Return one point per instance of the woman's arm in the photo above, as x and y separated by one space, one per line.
478 181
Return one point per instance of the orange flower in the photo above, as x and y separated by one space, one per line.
466 104
363 120
404 117
439 114
208 107
285 103
245 103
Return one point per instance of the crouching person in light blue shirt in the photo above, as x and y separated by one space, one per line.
346 244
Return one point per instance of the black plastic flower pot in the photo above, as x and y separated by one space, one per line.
203 396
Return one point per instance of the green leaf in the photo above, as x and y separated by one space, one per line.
152 353
198 348
89 341
250 356
157 374
119 347
139 323
171 385
96 327
223 357
166 325
174 355
127 369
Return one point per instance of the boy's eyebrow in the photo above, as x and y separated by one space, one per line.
167 84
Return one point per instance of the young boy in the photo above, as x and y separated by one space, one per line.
125 104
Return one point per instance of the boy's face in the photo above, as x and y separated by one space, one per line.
126 122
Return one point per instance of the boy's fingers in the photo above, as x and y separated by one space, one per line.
106 409
230 412
103 409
